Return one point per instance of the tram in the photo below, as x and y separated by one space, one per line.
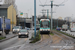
44 26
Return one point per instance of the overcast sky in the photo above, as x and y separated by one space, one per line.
27 6
68 10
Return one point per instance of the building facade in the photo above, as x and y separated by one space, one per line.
9 12
12 2
68 19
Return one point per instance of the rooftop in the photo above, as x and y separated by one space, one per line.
4 5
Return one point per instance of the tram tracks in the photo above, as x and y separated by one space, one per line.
67 40
48 40
57 40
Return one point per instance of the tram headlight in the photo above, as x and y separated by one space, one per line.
48 29
40 29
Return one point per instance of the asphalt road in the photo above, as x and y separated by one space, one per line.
43 45
14 41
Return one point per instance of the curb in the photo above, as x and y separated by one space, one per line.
7 38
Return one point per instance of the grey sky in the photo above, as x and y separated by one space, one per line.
62 11
27 6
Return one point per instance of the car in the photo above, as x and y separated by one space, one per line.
32 28
72 29
28 28
58 28
23 33
16 29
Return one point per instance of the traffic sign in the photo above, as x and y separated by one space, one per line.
21 13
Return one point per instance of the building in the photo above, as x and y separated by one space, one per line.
60 18
68 19
12 2
37 21
9 12
24 22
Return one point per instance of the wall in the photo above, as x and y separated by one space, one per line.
11 15
3 12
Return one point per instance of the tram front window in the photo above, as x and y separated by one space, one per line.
45 24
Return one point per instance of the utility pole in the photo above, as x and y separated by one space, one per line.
4 35
24 20
47 14
51 14
57 22
35 18
43 12
51 11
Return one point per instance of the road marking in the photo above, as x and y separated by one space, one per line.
12 47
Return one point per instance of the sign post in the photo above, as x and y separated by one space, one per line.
3 27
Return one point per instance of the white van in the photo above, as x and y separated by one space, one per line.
72 26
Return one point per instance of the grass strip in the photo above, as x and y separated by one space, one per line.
65 33
2 38
37 38
51 33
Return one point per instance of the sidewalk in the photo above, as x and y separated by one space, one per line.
8 36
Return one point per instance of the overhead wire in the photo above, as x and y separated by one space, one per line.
44 3
64 1
61 4
40 1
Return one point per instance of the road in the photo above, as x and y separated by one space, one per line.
14 41
68 32
23 44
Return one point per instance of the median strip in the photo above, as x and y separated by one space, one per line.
65 33
37 38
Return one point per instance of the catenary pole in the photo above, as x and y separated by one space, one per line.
35 18
51 14
47 14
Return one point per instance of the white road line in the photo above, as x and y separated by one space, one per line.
12 47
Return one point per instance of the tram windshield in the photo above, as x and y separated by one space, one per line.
45 24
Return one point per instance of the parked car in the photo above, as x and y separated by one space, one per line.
28 28
72 26
23 33
58 28
32 28
16 29
65 27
